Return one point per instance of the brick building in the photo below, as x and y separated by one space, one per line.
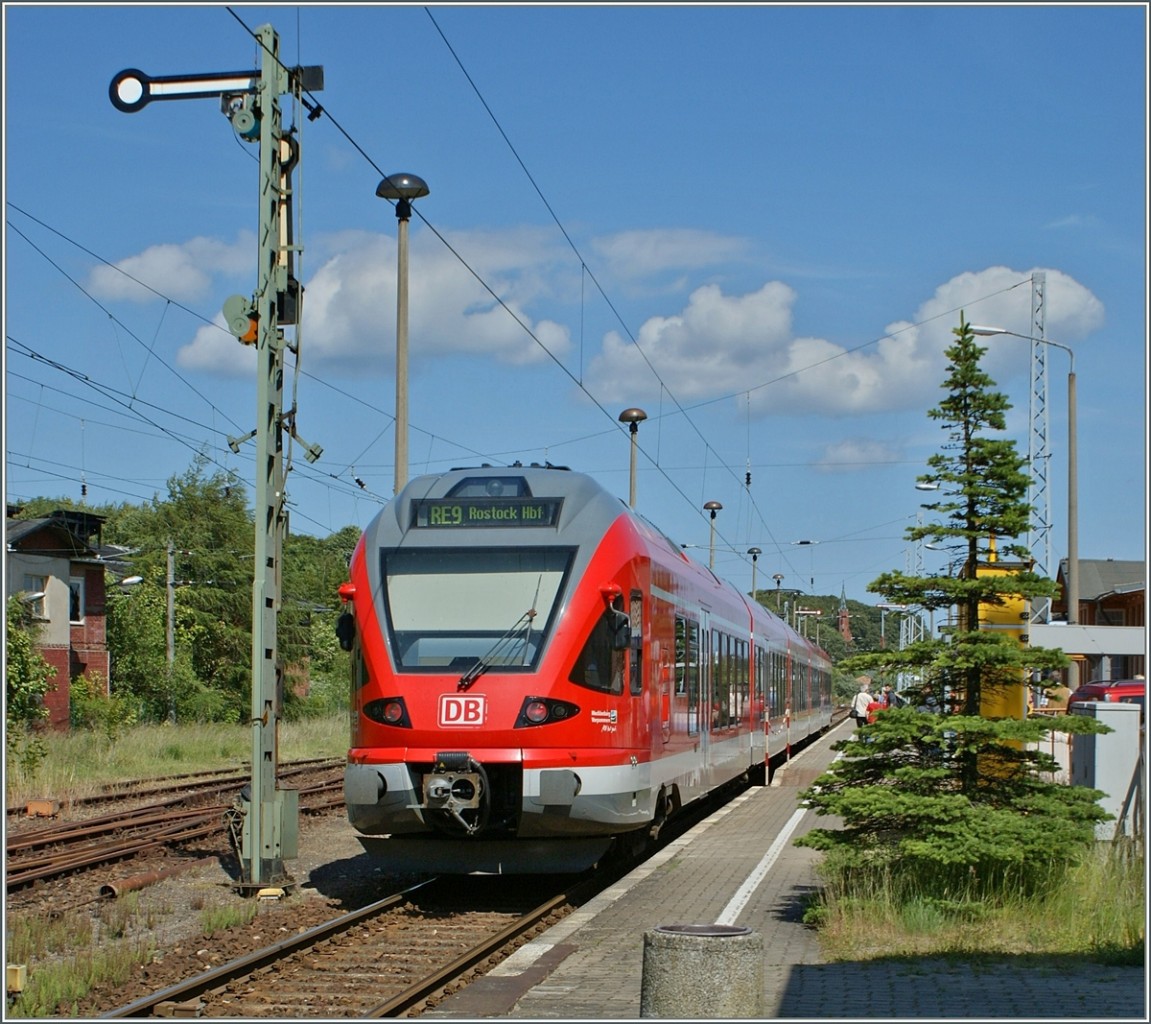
55 564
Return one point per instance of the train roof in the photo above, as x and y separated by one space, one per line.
505 502
508 504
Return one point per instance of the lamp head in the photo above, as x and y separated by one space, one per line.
402 186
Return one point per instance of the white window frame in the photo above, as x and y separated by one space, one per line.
76 595
34 584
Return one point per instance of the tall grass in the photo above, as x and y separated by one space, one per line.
79 762
54 988
1096 908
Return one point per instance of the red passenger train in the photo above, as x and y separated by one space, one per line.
538 673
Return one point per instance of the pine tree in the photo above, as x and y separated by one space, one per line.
980 514
961 796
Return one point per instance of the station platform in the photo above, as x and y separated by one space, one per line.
740 868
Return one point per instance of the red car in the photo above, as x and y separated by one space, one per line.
1128 691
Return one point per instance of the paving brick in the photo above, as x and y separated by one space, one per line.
590 965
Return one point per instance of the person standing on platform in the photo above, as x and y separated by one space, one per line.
861 701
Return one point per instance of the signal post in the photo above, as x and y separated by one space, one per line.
265 825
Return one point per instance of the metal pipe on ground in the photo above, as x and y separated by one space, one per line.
112 890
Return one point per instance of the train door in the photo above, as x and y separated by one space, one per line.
758 725
705 678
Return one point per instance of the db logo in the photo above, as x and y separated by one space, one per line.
456 710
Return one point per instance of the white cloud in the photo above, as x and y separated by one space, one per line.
216 351
350 303
639 255
703 350
715 345
742 346
184 272
857 453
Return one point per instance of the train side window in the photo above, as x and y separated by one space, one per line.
687 669
721 666
599 665
635 668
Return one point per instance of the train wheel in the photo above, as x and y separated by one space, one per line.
757 774
662 810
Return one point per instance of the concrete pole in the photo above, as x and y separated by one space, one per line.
403 215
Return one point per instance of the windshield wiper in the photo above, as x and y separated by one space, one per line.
483 664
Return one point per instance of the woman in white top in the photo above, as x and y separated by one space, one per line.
860 702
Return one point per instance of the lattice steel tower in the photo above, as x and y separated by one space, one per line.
1039 494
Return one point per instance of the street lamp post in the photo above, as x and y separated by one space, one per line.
402 188
755 553
633 417
778 577
1072 469
883 610
713 507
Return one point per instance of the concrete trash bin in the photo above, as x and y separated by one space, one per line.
702 971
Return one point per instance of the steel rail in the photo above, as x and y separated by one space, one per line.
260 958
216 777
93 828
18 879
428 986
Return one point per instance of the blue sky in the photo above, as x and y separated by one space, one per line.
758 223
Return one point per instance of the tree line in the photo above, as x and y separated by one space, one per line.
195 664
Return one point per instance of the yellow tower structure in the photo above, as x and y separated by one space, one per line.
1008 699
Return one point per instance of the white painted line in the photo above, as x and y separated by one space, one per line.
736 904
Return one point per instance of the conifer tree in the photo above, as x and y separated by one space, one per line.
981 512
958 798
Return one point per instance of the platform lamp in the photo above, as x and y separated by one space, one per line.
713 507
633 418
755 553
402 189
778 577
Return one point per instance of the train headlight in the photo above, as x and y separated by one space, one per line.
544 711
388 711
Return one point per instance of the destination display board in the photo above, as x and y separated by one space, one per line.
459 513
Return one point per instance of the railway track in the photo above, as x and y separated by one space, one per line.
398 956
173 789
322 974
384 960
69 848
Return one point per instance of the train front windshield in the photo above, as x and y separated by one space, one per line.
456 608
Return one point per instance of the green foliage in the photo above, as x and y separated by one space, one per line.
910 803
959 806
204 516
1092 907
27 678
314 568
980 513
92 707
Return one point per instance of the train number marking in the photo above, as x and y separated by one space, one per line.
457 710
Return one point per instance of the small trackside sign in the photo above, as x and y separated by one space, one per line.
461 710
